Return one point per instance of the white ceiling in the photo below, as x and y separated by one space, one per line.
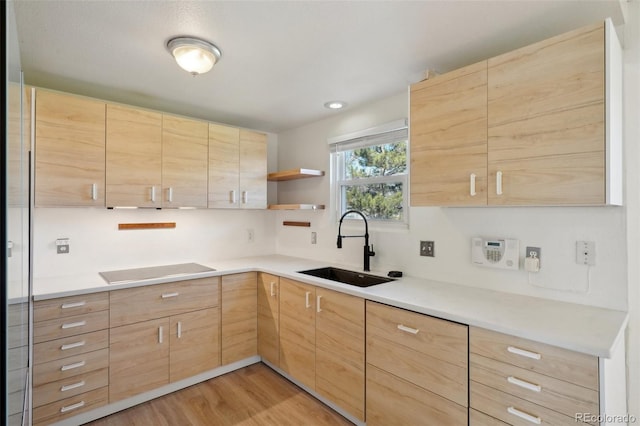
281 61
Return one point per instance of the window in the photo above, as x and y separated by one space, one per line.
370 172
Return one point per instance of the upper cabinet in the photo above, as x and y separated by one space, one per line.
237 168
134 157
185 146
449 139
552 132
70 150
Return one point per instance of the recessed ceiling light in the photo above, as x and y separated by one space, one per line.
335 104
194 55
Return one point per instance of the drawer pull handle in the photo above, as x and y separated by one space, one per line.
94 191
72 366
307 303
232 196
170 194
179 329
73 305
318 308
160 334
72 345
524 353
408 329
273 289
168 295
524 384
73 386
245 197
72 407
74 324
472 184
152 194
523 415
499 183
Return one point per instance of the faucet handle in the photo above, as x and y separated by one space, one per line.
371 252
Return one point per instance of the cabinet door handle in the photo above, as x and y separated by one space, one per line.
307 303
472 184
179 327
232 196
408 329
526 416
73 324
160 332
523 352
318 298
499 183
73 305
170 194
72 345
72 366
245 197
73 386
524 384
273 286
77 405
94 191
169 295
152 194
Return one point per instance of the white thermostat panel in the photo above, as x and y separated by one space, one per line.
495 253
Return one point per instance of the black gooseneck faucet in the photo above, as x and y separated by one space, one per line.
368 251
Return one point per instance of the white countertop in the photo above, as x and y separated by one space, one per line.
586 329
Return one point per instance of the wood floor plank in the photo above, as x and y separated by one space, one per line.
252 396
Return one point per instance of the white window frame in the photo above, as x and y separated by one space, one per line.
369 137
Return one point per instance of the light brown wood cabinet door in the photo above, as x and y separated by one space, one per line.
138 358
239 312
194 343
449 139
298 331
185 148
546 122
18 144
224 167
253 170
70 150
134 157
340 356
268 317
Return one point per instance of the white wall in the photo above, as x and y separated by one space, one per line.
554 229
632 156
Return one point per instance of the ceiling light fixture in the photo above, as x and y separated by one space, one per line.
194 55
335 104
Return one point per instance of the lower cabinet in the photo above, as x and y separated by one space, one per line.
176 334
417 368
269 318
322 342
239 309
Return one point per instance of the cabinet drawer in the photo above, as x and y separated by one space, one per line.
70 326
70 346
61 389
162 300
514 410
393 401
440 339
562 364
476 418
68 407
64 368
45 310
549 392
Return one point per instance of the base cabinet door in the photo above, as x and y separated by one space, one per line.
298 331
239 317
194 343
138 358
268 318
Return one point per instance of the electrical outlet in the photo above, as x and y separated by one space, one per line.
314 237
250 235
534 252
586 252
427 248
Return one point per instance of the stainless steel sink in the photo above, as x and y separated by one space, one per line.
347 277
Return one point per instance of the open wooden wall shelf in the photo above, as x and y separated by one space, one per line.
294 174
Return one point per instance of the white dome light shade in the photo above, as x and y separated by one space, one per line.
194 55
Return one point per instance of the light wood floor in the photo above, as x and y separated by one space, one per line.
254 395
